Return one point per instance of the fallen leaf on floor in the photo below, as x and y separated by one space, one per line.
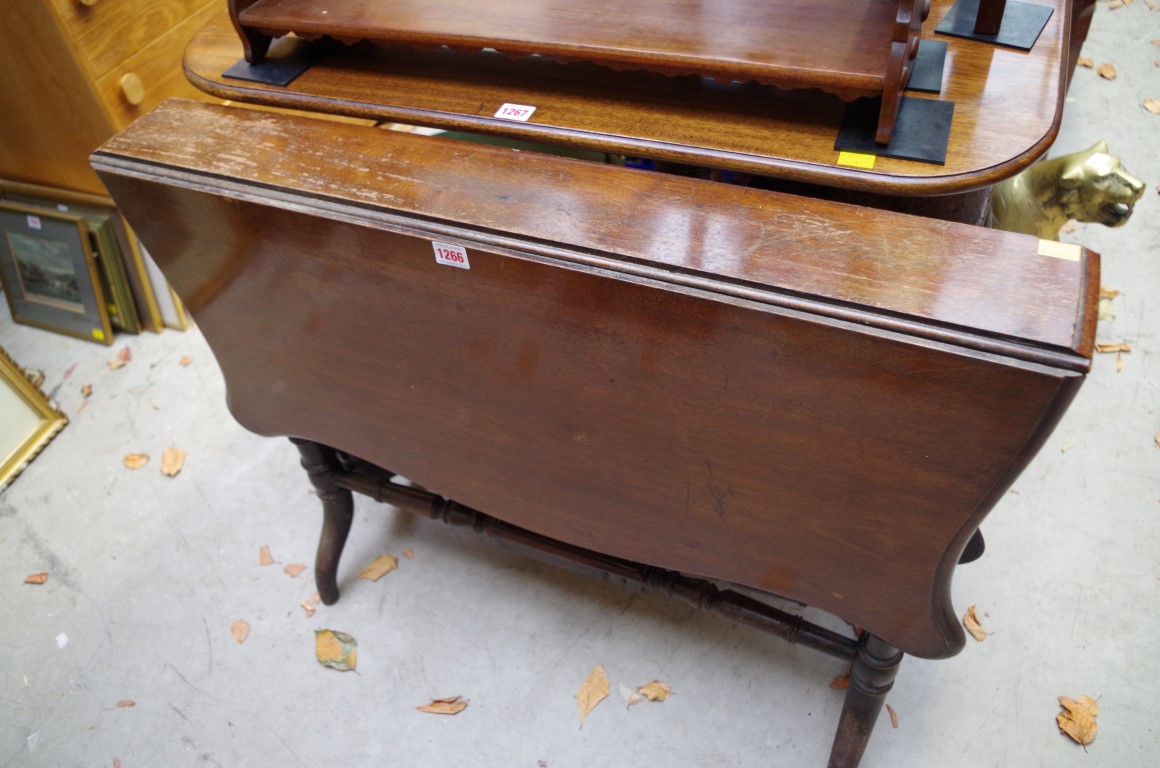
185 360
125 703
1085 62
1119 362
239 631
1152 105
116 762
294 570
1115 4
36 578
264 556
1107 310
893 715
1108 293
115 364
125 355
336 650
86 391
136 460
409 553
655 691
172 460
26 681
971 622
450 705
594 691
1152 6
630 696
840 683
379 567
1113 347
1157 439
1079 719
308 608
1106 71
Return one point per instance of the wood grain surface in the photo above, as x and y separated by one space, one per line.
1007 106
667 370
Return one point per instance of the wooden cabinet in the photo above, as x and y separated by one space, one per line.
74 72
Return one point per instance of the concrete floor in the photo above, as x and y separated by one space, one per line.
148 574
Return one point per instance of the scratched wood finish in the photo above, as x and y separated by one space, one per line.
1007 107
812 399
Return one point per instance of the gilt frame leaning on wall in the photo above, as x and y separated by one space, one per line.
28 421
49 273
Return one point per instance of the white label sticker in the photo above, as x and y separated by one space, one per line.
520 112
33 222
451 255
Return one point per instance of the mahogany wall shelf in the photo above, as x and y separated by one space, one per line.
847 49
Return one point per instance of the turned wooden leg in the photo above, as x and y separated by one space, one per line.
320 463
871 678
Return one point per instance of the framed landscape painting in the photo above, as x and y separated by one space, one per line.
49 273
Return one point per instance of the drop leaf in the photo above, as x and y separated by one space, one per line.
335 650
379 567
239 631
135 460
655 691
172 460
450 705
594 691
971 622
1079 718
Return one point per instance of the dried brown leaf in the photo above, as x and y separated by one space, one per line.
893 716
1115 4
1106 71
136 460
1119 361
630 696
185 360
840 683
1153 105
115 364
239 631
655 691
1108 293
86 391
409 553
172 460
264 556
450 705
1157 439
1118 346
126 703
1085 62
125 355
379 567
1079 719
335 650
594 691
308 608
294 570
971 622
36 578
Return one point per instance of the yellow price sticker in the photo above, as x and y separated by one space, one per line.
856 160
98 334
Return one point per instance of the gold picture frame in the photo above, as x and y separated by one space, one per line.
28 421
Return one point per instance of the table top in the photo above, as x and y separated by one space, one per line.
1007 106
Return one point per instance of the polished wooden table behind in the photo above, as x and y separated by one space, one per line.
812 399
1007 106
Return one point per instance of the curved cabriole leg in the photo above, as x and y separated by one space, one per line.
320 462
871 678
